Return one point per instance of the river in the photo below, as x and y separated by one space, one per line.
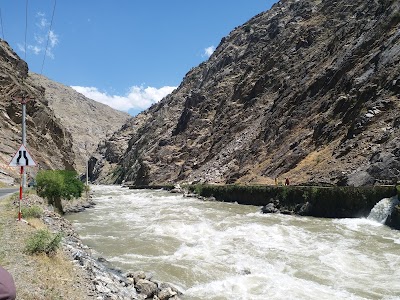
215 250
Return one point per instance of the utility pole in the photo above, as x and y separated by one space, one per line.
23 100
22 157
87 170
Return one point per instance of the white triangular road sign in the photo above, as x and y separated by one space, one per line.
22 158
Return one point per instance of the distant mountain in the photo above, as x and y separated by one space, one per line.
88 121
63 127
307 90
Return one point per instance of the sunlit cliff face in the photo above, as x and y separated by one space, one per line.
307 90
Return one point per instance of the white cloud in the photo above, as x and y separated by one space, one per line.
41 36
50 53
138 97
208 51
21 47
53 38
42 22
34 49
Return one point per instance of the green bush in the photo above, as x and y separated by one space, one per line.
55 185
73 186
31 212
284 192
43 242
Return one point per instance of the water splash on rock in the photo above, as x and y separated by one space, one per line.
383 209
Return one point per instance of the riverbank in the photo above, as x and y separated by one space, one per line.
76 271
315 201
37 277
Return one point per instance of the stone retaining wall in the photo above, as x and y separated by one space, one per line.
329 202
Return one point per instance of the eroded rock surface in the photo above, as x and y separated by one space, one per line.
307 90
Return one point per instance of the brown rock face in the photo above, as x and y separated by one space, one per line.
307 90
47 140
59 120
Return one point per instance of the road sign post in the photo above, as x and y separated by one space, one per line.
20 195
23 100
21 159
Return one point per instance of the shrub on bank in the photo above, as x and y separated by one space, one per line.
55 185
43 242
32 212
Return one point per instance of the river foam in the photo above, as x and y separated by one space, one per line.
216 250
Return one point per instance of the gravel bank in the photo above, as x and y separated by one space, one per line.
92 277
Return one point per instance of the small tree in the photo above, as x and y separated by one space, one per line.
73 187
55 185
50 185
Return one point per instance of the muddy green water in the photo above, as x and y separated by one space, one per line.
216 250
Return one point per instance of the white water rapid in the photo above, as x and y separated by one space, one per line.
383 209
216 250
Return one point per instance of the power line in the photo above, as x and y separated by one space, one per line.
2 30
48 36
26 25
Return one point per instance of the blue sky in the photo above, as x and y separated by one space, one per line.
125 53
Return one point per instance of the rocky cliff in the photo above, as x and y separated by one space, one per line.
59 120
307 90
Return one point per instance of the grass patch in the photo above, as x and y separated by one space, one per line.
38 276
43 242
30 191
56 279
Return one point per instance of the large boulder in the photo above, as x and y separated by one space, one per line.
146 287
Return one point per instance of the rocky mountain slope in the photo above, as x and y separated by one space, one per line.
88 121
307 90
59 120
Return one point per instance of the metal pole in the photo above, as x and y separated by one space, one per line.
23 101
24 123
87 179
87 172
20 195
24 136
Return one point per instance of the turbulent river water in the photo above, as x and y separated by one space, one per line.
214 250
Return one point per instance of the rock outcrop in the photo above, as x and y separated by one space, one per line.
63 127
47 140
308 90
